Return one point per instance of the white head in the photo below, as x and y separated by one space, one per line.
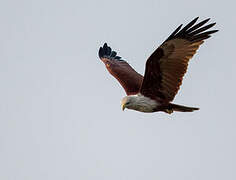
138 103
128 102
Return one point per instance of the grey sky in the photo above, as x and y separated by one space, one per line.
60 114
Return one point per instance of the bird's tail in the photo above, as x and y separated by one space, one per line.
180 108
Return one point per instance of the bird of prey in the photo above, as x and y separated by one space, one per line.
164 70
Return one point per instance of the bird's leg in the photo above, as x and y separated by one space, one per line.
169 111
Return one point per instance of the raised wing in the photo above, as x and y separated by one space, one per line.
129 79
166 67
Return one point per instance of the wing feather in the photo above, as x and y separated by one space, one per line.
167 65
129 79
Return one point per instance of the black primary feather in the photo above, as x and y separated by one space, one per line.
106 52
193 32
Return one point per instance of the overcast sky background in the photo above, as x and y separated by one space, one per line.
60 113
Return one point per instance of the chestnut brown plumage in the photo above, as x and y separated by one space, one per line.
129 79
164 70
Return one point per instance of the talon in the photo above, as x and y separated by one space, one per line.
169 111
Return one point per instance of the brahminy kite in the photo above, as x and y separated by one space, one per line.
164 71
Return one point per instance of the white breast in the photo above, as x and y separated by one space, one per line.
144 104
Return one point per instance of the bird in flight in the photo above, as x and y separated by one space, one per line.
164 70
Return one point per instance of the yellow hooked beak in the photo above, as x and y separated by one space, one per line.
123 107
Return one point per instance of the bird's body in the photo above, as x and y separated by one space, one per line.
141 103
164 71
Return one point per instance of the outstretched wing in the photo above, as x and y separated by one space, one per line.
129 79
166 67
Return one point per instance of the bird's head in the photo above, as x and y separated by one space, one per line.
128 102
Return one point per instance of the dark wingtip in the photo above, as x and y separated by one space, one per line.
196 18
106 52
100 52
105 45
207 19
193 31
